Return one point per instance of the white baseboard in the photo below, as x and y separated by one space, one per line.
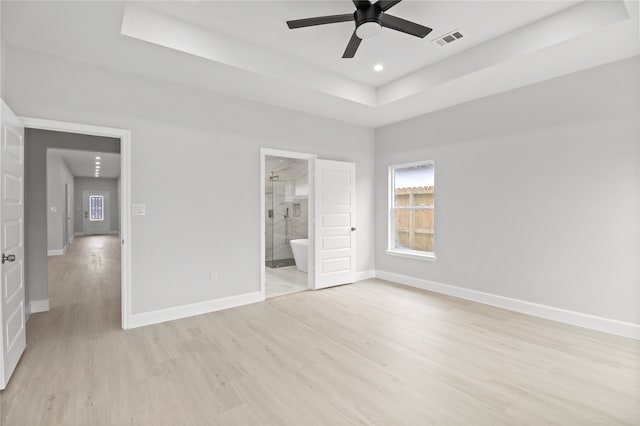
170 314
82 234
365 275
36 306
579 319
59 252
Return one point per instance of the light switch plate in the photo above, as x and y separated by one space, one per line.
139 209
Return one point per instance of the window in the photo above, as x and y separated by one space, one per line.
96 210
411 210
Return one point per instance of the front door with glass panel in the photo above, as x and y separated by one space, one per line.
96 212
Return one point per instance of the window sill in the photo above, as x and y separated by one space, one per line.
430 257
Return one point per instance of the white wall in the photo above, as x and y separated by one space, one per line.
100 184
1 56
536 192
58 175
196 162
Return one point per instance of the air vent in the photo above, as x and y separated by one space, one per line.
448 38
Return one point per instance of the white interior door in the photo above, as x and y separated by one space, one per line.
335 202
11 238
96 212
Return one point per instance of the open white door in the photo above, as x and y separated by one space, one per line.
12 307
335 203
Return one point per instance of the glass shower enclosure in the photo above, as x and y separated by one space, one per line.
286 216
278 250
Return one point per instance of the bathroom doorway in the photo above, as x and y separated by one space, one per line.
287 225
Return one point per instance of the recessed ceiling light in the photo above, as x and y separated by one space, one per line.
378 67
97 162
97 158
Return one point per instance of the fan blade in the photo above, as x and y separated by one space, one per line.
408 27
352 46
319 20
362 4
385 5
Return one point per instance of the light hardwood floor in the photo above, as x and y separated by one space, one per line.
367 353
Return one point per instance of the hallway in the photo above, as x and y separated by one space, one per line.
85 283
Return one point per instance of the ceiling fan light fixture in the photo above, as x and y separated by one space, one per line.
368 30
369 18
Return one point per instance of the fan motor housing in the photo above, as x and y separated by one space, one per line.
369 14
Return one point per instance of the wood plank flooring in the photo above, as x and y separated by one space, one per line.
368 353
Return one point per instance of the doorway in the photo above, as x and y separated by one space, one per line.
331 232
119 246
82 199
287 225
287 231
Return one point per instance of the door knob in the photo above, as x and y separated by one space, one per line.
10 258
353 228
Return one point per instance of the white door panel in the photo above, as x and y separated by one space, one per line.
12 305
335 198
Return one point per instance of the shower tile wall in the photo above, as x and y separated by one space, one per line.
287 191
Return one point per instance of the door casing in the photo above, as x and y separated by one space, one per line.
125 194
65 217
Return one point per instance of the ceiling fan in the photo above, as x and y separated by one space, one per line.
369 18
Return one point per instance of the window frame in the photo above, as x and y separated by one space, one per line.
392 250
91 217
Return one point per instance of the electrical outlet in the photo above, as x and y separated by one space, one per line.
214 277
